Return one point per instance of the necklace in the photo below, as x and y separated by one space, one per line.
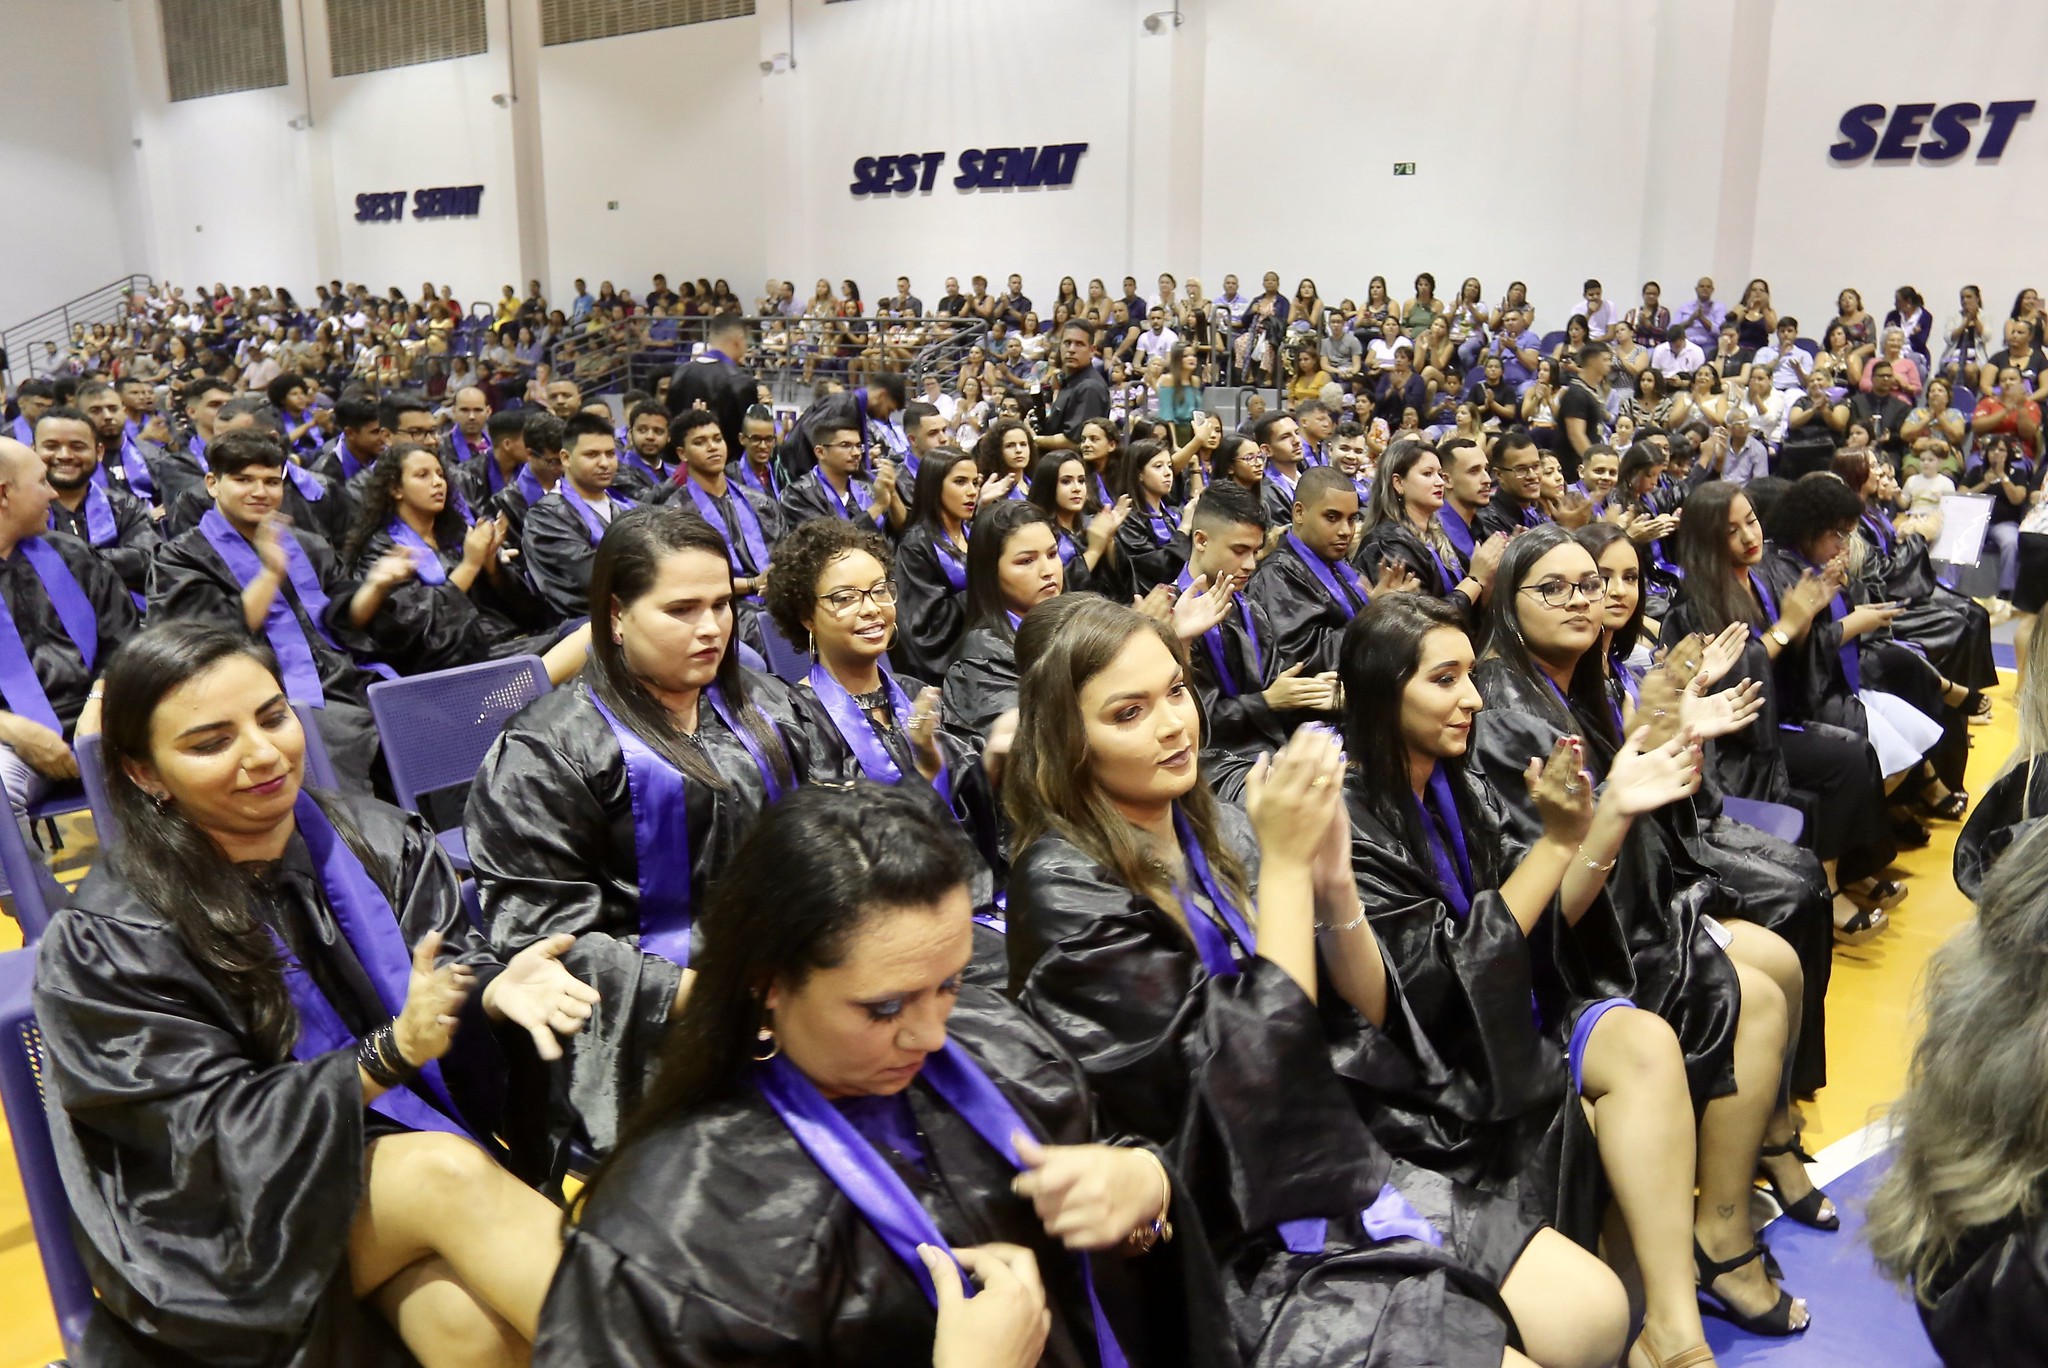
874 701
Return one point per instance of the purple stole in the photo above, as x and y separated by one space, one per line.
1155 519
1313 455
750 525
953 567
634 459
350 466
883 1199
99 516
197 450
19 683
309 485
371 929
1443 827
529 486
764 484
1212 642
281 628
1339 581
854 728
841 508
1457 530
459 440
139 482
593 524
1102 494
426 561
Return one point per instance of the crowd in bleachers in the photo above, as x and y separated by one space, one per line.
1330 864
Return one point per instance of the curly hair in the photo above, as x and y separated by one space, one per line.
801 557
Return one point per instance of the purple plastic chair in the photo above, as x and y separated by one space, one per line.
21 1090
436 728
1773 819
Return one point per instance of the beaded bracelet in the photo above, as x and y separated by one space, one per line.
379 1057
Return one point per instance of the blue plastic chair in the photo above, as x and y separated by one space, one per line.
790 665
21 1091
1550 341
1773 819
1807 345
1962 400
437 727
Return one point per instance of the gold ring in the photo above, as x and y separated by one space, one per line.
1320 780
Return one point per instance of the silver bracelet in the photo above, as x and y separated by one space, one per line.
1351 925
1600 868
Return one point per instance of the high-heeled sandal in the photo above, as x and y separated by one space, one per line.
1885 893
1868 924
1949 809
1776 1322
1806 1210
1698 1356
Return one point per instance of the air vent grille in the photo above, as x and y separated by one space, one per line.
216 47
576 21
377 35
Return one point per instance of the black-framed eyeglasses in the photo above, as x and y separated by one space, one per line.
1557 593
844 602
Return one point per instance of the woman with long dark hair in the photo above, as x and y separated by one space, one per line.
1086 528
1101 446
1004 457
1013 564
931 566
1402 527
1154 538
842 1130
276 1051
608 807
462 603
1181 950
1493 1098
1723 988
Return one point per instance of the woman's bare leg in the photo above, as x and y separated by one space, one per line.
1765 950
432 1194
444 1324
1569 1307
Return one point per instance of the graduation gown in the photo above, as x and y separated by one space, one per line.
1308 624
190 581
1950 627
1403 545
59 664
1110 575
931 615
724 387
479 479
327 516
1991 1302
132 545
1231 1076
846 409
717 1239
1999 816
214 1189
1477 1089
1505 515
550 835
1239 725
980 685
1152 562
809 497
173 470
425 627
556 550
1646 937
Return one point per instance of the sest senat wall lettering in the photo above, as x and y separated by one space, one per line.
448 201
1948 131
992 168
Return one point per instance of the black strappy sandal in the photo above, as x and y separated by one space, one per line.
1949 809
1884 893
1868 924
1806 1210
1776 1322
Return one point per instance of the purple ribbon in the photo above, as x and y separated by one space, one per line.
1440 824
769 781
1217 956
852 724
860 1172
529 486
280 625
840 508
953 567
459 440
765 483
1212 642
1390 1217
661 842
750 525
19 683
309 484
139 482
591 522
1340 581
1156 519
1457 531
426 561
370 929
98 511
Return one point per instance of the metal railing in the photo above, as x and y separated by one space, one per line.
40 345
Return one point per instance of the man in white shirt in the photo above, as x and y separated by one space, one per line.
1787 363
1683 359
1157 340
1599 313
1233 301
1768 409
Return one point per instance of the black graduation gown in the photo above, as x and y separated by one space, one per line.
425 627
980 685
1950 627
475 478
549 829
717 1239
1107 578
59 664
1232 1077
1476 1089
767 513
1151 561
215 1190
556 551
931 615
1308 624
172 472
724 387
1503 514
1239 729
510 504
1999 816
807 498
1991 1302
190 581
135 539
1389 540
328 516
1278 499
1646 938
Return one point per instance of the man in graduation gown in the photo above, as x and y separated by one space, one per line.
31 397
758 468
180 464
1279 437
482 476
244 566
362 440
750 523
470 437
540 438
644 459
714 379
117 527
558 541
1308 586
1468 489
831 488
1518 486
313 503
122 466
66 613
853 409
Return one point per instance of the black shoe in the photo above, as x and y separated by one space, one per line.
1776 1322
1806 1210
1907 831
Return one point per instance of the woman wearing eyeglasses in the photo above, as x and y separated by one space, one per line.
607 808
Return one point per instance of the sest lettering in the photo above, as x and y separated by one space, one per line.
1947 128
979 168
897 175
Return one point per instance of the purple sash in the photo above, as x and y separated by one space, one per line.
197 450
1441 823
1069 547
634 459
19 683
769 781
1880 530
591 522
1102 495
308 483
1852 667
750 525
840 507
764 483
1339 581
1212 642
1215 950
280 626
529 486
99 517
371 930
139 482
661 842
426 561
954 568
1457 530
860 1172
350 466
1161 525
852 725
459 440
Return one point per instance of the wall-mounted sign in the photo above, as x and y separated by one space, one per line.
448 201
979 168
1932 133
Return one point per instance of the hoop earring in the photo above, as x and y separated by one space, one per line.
766 1035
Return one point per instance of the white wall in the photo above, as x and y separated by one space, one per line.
64 159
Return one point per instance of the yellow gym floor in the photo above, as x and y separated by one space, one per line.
1870 1005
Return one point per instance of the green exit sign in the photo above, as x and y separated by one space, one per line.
1404 168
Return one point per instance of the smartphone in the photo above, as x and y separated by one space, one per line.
1200 417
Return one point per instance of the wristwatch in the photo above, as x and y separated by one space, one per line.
1777 634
